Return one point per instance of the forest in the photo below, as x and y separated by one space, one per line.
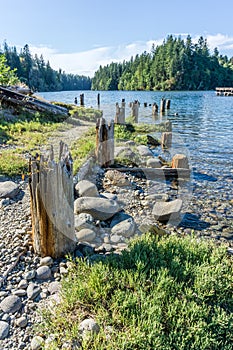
38 75
177 64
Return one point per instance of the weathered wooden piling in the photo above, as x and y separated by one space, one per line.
120 113
135 110
81 99
180 161
166 139
155 109
52 203
98 99
104 142
162 105
168 125
168 104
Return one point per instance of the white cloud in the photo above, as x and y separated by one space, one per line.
87 62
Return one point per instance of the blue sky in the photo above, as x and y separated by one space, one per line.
78 36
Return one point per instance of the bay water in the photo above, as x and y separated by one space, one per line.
202 120
202 129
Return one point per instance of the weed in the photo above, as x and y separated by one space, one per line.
163 293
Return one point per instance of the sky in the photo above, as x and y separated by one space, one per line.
80 35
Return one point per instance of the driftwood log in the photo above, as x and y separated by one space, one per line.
104 142
52 203
157 173
14 99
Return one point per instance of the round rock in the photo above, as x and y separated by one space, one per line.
100 208
89 325
46 261
125 228
11 304
86 235
86 188
37 343
43 273
4 329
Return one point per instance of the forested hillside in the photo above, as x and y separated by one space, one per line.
38 74
177 64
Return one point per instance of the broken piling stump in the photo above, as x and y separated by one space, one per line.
52 203
104 142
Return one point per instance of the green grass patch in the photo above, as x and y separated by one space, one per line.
12 163
164 293
136 132
83 148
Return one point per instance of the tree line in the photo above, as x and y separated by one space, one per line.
38 74
177 64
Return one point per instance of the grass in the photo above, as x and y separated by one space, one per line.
83 148
163 293
26 133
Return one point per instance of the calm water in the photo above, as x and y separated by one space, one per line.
202 122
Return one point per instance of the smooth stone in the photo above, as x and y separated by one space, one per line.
115 239
19 292
164 211
23 284
124 228
117 178
85 235
123 152
43 273
121 216
46 261
83 220
33 291
144 151
99 208
54 287
21 322
37 343
85 188
89 326
29 275
153 163
8 189
148 225
11 304
4 329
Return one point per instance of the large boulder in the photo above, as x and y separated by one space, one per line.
8 189
100 208
165 211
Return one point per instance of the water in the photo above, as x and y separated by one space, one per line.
203 130
202 121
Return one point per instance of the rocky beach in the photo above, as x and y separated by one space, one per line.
110 208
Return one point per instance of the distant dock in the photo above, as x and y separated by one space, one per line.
224 91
